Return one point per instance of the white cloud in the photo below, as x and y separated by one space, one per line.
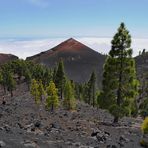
25 48
103 45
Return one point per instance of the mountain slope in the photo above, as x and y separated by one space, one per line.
79 60
142 63
142 73
6 58
24 124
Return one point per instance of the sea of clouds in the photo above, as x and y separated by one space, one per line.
27 47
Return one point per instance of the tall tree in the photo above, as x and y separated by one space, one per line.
85 93
4 73
41 90
1 78
69 97
60 79
34 90
54 74
27 75
10 82
120 85
92 89
47 77
52 100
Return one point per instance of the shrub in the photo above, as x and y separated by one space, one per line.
144 126
144 143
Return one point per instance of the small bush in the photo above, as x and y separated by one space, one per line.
116 111
144 113
144 126
144 144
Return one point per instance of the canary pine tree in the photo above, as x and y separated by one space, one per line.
1 78
10 82
120 85
69 101
41 90
92 89
52 100
27 76
34 90
60 79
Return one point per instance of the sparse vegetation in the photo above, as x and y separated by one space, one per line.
52 91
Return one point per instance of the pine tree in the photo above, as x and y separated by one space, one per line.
60 79
10 82
69 98
92 89
34 90
1 78
54 74
38 72
120 85
4 73
19 68
85 93
144 126
77 91
47 77
52 100
27 76
41 90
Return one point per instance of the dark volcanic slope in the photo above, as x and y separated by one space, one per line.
142 70
23 124
142 63
7 57
79 59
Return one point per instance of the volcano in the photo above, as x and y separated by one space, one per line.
79 60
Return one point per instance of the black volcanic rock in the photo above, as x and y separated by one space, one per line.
6 58
54 130
79 60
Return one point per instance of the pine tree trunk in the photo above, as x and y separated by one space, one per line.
89 100
116 119
120 84
93 96
61 94
4 89
52 108
119 96
11 93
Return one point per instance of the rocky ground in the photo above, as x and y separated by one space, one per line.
24 124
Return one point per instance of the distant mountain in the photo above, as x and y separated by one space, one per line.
142 63
79 60
142 73
6 58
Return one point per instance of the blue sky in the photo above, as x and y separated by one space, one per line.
72 18
28 27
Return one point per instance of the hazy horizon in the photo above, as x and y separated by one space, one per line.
23 47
